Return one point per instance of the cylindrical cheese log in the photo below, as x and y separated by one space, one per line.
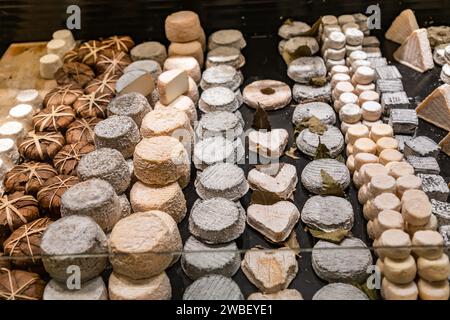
365 145
13 130
189 49
371 110
23 113
399 169
416 211
356 132
144 244
391 291
186 63
67 36
117 132
428 244
169 199
94 289
107 164
8 152
31 97
400 271
434 270
125 288
182 103
406 183
381 130
57 46
382 183
64 243
363 158
386 143
48 65
161 161
394 244
183 26
390 155
94 198
433 290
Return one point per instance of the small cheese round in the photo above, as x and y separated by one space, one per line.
334 54
57 46
339 77
360 88
364 196
406 183
349 150
349 49
381 130
169 199
340 88
357 179
371 111
394 244
416 211
225 56
355 65
437 290
94 289
31 97
183 62
336 40
386 143
13 130
363 75
368 95
365 145
390 155
141 244
125 288
67 36
428 244
370 124
161 161
48 65
413 194
23 113
434 270
133 105
399 169
354 37
382 183
345 98
188 49
363 158
226 37
369 170
182 103
350 163
218 99
384 201
182 26
389 219
391 291
400 271
345 126
432 225
350 113
339 69
150 50
356 132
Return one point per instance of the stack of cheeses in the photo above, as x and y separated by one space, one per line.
62 42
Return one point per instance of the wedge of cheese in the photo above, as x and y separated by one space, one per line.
402 27
135 81
172 84
436 107
445 144
416 52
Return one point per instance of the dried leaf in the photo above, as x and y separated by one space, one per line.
291 152
333 236
289 22
313 124
264 198
261 119
314 29
371 293
329 186
318 81
292 243
340 158
321 152
301 51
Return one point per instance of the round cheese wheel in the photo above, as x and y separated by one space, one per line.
391 291
434 270
356 132
335 40
342 87
371 110
432 225
368 95
365 145
386 143
369 170
437 290
363 75
121 287
384 201
388 219
183 26
354 37
380 130
416 211
382 183
399 169
349 113
406 183
428 244
400 271
394 244
414 194
390 155
344 99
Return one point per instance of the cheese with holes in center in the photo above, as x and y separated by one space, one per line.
172 84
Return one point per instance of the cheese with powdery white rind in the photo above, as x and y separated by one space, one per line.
135 81
172 84
213 287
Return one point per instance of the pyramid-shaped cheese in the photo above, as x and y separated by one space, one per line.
436 107
445 144
402 27
416 52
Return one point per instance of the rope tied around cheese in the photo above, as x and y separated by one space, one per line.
35 139
63 94
119 43
36 227
8 205
104 85
62 182
114 64
85 128
48 118
93 49
32 171
92 105
67 159
18 292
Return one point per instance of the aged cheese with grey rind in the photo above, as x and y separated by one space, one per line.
144 244
221 76
277 178
339 291
226 37
217 220
293 29
229 125
218 99
215 150
302 93
442 212
426 165
312 179
151 66
403 121
286 294
64 243
402 139
439 54
125 206
308 142
345 262
107 164
415 52
269 144
305 69
117 132
376 62
328 214
445 233
322 111
94 198
225 56
270 270
394 100
275 221
421 146
153 288
224 180
213 287
388 72
434 186
436 107
150 50
169 199
389 85
135 81
133 105
200 259
94 289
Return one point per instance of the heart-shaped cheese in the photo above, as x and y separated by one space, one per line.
269 144
278 178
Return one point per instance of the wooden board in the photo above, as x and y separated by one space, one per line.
19 70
